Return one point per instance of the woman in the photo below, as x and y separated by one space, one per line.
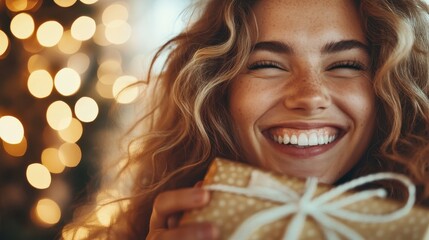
334 89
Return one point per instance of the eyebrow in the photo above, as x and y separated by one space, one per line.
331 47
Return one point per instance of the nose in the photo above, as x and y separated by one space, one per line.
307 94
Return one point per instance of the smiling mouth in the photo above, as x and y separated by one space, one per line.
304 137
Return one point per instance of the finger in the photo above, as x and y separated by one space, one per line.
173 221
195 231
171 202
198 184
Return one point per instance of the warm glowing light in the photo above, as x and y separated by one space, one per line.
37 62
65 3
124 90
111 69
11 130
104 90
73 132
80 234
49 33
83 28
70 154
106 213
22 26
59 115
68 44
86 109
51 160
114 12
48 211
40 83
4 42
100 36
79 62
118 32
21 5
89 1
16 150
38 176
67 81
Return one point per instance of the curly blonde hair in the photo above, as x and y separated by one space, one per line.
187 122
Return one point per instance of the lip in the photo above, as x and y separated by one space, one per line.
295 151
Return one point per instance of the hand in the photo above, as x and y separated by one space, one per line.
167 209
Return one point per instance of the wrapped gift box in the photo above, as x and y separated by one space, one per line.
247 203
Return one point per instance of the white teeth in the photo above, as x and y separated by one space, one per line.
302 139
313 139
286 139
321 140
293 139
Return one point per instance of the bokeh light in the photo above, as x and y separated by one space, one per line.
86 109
79 62
51 160
68 44
16 150
104 90
89 1
59 115
49 33
40 83
4 43
11 130
73 132
38 176
118 32
125 89
67 81
22 5
22 26
48 211
114 12
37 62
70 154
65 3
83 28
80 234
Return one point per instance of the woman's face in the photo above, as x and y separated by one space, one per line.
304 104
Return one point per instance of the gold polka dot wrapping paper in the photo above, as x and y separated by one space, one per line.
249 203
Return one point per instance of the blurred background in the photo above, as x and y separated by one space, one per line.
62 65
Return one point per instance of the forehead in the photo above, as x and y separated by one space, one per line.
308 18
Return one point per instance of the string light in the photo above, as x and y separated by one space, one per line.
51 160
4 43
59 115
40 83
16 150
86 109
48 211
67 81
83 28
125 90
38 176
65 3
22 26
49 33
11 130
70 154
73 132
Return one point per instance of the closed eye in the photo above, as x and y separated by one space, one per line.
264 64
348 64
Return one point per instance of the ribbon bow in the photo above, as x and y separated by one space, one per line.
320 208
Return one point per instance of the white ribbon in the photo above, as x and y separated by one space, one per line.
320 208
